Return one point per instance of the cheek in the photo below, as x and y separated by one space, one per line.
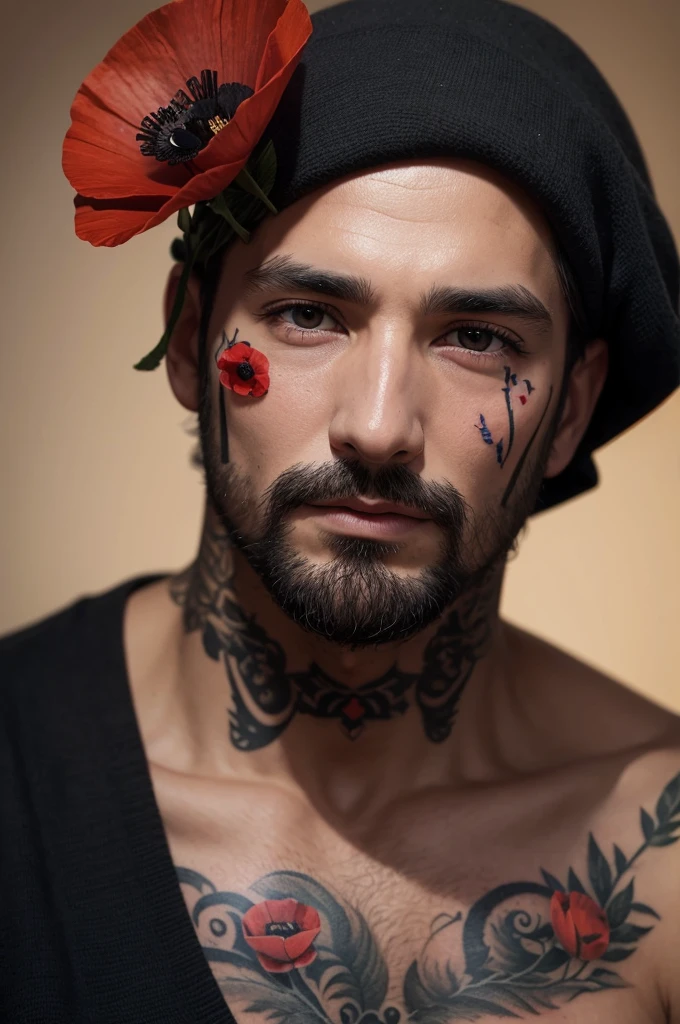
480 429
289 425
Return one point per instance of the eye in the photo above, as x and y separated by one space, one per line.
480 341
476 339
306 318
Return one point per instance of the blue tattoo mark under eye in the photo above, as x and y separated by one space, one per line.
502 452
486 433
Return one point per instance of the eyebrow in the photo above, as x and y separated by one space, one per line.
284 272
507 300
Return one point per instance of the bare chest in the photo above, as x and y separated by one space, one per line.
317 932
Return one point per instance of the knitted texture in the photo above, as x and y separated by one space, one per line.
388 80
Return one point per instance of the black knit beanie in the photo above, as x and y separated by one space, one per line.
387 80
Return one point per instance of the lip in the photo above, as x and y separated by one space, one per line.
371 508
377 520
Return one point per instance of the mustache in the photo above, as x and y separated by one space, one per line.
342 480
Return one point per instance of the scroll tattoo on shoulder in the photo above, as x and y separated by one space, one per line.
266 697
301 952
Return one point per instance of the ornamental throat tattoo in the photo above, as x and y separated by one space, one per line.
266 698
302 953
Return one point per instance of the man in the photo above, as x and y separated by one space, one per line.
315 778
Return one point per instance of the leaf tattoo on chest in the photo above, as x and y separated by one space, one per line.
301 952
266 697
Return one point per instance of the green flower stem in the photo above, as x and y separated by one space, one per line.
247 182
220 206
202 244
153 359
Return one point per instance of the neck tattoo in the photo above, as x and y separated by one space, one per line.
266 697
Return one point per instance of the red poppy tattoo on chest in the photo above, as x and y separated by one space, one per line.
302 952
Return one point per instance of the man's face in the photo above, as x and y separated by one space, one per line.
415 329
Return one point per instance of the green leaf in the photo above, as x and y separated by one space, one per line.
620 859
669 802
153 358
663 840
628 933
667 830
620 907
265 167
642 908
248 183
615 955
552 882
607 979
553 959
647 824
184 221
599 871
574 883
220 206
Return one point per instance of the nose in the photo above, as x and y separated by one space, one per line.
378 416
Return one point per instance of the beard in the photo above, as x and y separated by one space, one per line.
355 599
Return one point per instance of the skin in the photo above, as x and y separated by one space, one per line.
541 749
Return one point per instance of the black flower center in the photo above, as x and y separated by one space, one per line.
245 371
283 928
179 132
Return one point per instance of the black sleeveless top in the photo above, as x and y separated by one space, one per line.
93 925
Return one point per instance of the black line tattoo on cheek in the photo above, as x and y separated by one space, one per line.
302 952
221 405
502 451
522 459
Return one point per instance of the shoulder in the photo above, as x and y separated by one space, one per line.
597 715
624 751
36 660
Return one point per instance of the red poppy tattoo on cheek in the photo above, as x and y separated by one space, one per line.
243 369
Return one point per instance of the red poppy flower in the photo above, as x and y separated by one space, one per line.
244 370
171 115
580 925
282 932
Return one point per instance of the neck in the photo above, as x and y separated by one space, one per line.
304 710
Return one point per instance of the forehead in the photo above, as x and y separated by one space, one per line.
413 224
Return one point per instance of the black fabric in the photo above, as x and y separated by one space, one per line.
93 926
386 80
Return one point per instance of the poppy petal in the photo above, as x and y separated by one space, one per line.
260 364
298 944
275 966
282 910
285 42
305 959
271 945
232 357
104 222
563 923
99 162
256 919
308 918
259 388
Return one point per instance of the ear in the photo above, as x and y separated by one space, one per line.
583 390
182 356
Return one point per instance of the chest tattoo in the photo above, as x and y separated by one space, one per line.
299 951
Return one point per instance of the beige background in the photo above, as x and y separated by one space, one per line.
95 458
